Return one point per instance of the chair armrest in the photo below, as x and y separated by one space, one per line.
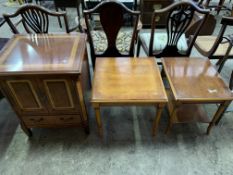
221 61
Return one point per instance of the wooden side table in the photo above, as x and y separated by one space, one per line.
127 81
44 77
193 82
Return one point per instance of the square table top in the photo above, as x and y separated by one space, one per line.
195 79
127 80
43 54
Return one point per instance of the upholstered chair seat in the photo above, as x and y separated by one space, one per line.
160 41
122 42
205 43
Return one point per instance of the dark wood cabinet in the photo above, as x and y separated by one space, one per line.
44 77
148 6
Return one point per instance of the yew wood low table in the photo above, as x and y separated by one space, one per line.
127 81
44 78
194 82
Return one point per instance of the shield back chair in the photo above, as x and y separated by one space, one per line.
112 33
35 19
215 47
172 41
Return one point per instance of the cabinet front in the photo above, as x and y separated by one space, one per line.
25 96
61 95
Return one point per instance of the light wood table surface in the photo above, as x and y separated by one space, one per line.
193 82
128 81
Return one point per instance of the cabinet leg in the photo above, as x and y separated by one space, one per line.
157 119
87 130
26 130
98 120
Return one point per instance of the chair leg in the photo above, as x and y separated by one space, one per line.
59 19
79 16
172 115
221 65
138 47
219 7
231 81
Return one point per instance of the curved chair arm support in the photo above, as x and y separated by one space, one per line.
221 62
225 22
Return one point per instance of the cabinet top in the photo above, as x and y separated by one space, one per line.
43 54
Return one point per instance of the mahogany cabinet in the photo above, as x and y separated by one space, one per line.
45 77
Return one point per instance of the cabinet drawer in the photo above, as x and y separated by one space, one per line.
68 120
52 121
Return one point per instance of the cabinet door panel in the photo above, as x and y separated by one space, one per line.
25 96
61 95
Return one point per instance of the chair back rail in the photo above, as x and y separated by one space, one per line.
35 19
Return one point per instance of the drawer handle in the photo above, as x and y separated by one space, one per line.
36 120
66 119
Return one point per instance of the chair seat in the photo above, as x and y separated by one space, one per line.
205 43
160 41
122 42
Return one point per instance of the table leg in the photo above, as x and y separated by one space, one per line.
98 120
159 109
171 118
218 114
221 115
